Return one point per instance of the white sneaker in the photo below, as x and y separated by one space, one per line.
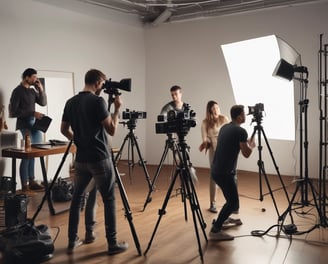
213 208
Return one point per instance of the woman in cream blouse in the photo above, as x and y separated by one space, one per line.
210 128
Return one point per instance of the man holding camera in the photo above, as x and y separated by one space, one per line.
231 140
86 121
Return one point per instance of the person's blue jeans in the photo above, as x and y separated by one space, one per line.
103 174
26 168
229 189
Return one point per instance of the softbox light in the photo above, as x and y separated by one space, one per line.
284 70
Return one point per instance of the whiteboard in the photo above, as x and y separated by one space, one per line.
59 87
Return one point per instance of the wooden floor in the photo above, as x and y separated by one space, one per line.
175 239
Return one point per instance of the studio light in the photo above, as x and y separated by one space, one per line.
286 70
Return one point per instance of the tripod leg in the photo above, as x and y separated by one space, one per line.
290 204
149 198
128 212
161 211
195 212
47 195
119 153
191 195
321 217
262 172
131 154
134 140
197 207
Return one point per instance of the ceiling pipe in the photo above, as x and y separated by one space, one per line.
163 17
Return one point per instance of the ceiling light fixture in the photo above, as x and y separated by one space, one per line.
163 17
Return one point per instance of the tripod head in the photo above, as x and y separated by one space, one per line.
131 123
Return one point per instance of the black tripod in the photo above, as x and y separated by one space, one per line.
128 213
260 131
169 144
132 142
125 201
48 188
188 191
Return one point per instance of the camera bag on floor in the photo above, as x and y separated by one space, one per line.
26 244
62 190
15 209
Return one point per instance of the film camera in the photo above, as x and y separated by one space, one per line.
176 122
112 88
127 114
257 111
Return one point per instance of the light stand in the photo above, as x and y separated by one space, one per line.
287 71
323 107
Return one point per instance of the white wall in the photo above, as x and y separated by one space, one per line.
189 54
34 34
48 38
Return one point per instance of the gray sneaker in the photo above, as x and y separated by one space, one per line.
220 236
231 222
73 245
117 248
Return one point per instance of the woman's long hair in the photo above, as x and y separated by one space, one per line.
211 121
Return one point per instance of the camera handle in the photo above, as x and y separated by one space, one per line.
110 101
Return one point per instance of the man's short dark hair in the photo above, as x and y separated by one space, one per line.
28 73
235 111
175 88
93 76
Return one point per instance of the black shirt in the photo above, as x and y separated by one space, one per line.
85 112
227 150
22 105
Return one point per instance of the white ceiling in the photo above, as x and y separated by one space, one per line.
154 12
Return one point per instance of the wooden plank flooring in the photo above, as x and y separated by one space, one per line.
175 239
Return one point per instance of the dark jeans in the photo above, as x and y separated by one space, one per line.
229 189
103 174
90 210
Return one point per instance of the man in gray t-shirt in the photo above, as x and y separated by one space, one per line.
176 104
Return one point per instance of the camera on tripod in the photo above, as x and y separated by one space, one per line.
178 122
127 114
112 88
257 111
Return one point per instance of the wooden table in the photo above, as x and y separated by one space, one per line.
38 152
